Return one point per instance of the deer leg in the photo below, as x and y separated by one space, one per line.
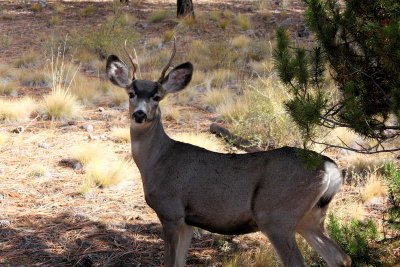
185 237
177 237
312 229
285 245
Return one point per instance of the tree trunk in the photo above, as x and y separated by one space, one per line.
185 8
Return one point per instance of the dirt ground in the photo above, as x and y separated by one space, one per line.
45 221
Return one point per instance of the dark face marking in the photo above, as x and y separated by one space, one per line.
145 89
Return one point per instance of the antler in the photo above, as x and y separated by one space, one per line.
133 61
169 62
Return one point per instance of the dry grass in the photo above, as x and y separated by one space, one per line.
169 35
221 77
214 98
8 88
105 174
27 60
85 89
243 22
92 152
263 256
87 11
169 110
158 16
4 136
361 165
204 140
17 110
118 96
61 104
34 78
241 41
102 168
374 187
121 134
38 171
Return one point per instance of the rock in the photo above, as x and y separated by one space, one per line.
44 145
92 137
100 109
72 123
88 128
19 129
303 31
4 223
72 163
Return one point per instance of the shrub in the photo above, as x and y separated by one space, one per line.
259 115
16 110
109 38
392 174
104 174
356 239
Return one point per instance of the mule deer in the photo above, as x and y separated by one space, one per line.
272 192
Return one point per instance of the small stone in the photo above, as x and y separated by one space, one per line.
19 129
44 145
4 223
71 123
100 109
88 128
72 163
92 137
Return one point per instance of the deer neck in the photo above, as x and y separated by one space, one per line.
149 143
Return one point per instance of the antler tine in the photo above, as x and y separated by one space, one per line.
133 61
169 62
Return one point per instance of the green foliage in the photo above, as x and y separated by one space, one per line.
361 43
392 174
109 38
356 238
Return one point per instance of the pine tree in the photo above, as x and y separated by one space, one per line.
358 41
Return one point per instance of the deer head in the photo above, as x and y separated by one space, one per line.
145 95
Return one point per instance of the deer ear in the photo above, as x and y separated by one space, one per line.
117 72
178 78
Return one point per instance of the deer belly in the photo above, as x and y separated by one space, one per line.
221 222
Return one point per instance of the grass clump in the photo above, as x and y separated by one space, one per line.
121 135
220 77
61 104
8 88
169 35
26 61
264 256
102 168
374 187
356 238
105 174
87 11
16 110
35 78
214 98
241 41
38 171
4 136
158 16
243 22
203 140
54 20
259 115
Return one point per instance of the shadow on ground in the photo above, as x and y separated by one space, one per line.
75 240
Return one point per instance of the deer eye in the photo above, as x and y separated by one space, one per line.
157 98
131 95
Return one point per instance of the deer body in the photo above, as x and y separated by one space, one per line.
273 192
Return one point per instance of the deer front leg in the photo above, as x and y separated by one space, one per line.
177 237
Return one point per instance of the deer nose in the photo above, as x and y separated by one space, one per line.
139 116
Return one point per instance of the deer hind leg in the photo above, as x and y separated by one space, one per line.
311 227
177 237
284 242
